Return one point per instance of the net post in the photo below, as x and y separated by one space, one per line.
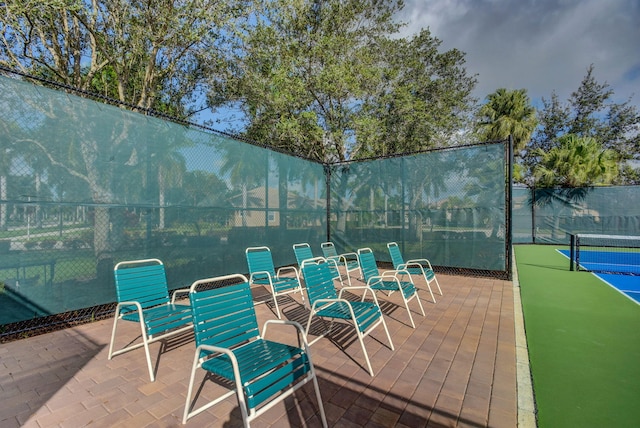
577 251
572 248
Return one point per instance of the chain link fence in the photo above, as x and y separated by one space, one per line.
551 216
85 184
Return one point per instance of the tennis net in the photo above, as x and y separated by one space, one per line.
605 253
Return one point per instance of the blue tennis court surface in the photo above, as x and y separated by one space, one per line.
628 263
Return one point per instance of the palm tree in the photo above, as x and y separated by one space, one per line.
576 162
507 113
246 166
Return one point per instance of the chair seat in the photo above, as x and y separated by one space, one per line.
254 359
352 264
408 288
349 264
279 284
417 271
366 313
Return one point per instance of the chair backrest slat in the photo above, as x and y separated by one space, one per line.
368 263
394 252
259 259
224 316
146 284
319 281
329 250
303 252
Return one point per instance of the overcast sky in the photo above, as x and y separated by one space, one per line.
539 45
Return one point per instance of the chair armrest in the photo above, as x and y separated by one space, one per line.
295 324
338 300
213 348
287 269
219 350
358 287
262 272
420 262
388 275
395 272
179 291
348 256
373 280
129 303
332 262
333 258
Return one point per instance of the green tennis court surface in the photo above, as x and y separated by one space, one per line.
584 343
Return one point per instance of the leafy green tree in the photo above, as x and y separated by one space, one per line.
333 81
576 162
299 74
565 173
589 112
149 54
420 97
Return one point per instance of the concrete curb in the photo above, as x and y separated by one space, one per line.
524 386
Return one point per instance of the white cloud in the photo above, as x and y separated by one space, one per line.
540 45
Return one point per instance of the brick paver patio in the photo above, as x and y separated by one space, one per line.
456 368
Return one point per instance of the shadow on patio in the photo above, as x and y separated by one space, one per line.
456 368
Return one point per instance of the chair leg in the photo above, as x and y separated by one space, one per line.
187 404
243 405
406 305
419 302
437 283
318 397
145 340
187 414
275 302
306 332
348 275
429 287
364 350
145 344
384 324
113 335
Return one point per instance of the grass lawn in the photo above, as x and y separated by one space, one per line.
584 343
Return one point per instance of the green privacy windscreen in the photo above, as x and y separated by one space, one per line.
447 206
551 216
84 185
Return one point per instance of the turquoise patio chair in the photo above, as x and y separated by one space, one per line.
389 281
303 252
231 349
262 272
347 260
421 267
143 298
326 303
